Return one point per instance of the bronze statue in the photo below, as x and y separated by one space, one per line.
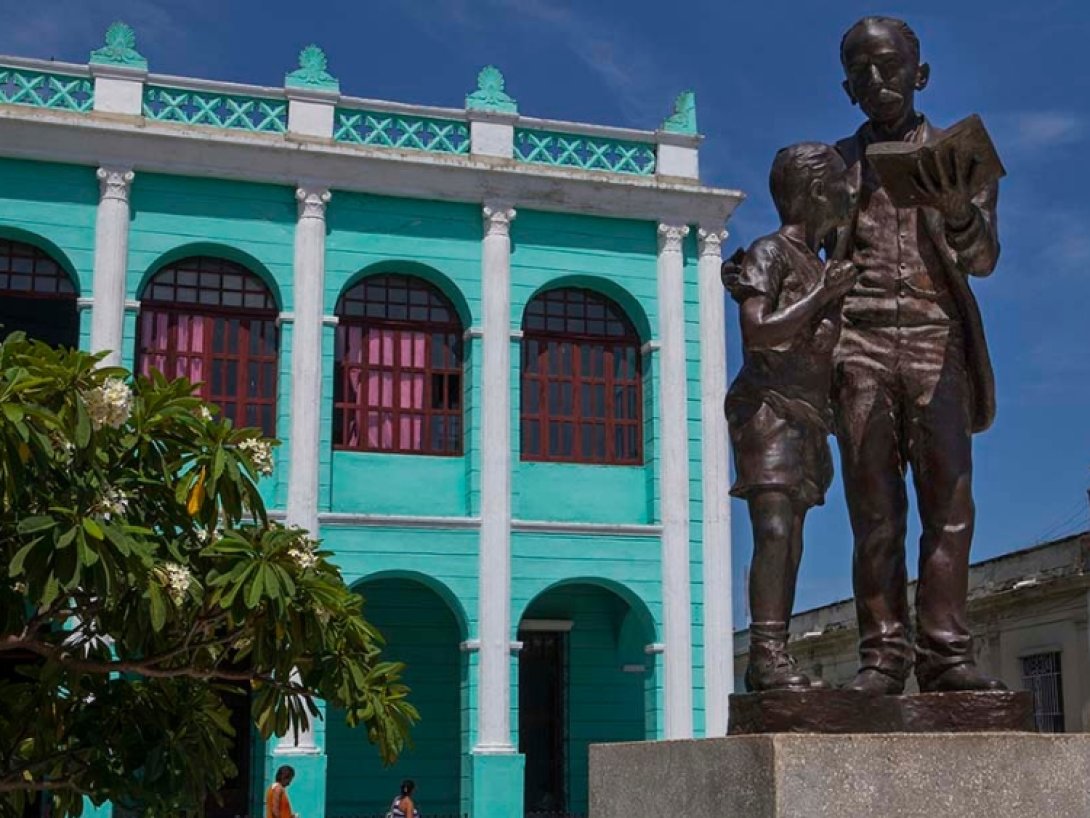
778 406
911 377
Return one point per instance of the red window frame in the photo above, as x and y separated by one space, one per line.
582 381
398 369
215 322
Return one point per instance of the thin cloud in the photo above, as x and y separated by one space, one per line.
69 30
1032 131
622 62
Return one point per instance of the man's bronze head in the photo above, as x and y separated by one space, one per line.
881 59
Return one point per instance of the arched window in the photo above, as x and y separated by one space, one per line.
36 296
214 322
398 356
581 380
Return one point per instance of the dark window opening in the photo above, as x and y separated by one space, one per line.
1041 676
36 296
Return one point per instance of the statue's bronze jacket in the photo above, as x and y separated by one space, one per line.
971 251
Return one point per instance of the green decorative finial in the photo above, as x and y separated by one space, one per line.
490 95
683 119
120 48
311 72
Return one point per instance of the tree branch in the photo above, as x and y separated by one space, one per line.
148 668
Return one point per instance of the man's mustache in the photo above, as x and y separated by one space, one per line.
884 95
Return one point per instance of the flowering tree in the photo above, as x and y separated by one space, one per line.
145 585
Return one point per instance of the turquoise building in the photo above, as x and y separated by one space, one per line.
493 346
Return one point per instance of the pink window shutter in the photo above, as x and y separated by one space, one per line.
413 349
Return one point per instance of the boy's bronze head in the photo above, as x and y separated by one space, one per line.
809 185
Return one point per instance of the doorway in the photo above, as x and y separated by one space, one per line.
543 718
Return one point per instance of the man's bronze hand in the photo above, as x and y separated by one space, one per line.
943 182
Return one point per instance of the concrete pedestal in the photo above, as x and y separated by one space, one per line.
923 775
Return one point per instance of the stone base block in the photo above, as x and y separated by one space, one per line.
793 775
846 711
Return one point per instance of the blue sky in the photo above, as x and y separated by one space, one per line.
766 74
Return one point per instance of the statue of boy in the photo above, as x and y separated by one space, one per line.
778 406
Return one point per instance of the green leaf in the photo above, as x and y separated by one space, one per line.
257 586
28 525
65 539
119 540
83 425
158 606
87 555
93 529
15 568
51 591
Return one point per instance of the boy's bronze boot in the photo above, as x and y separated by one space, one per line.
770 665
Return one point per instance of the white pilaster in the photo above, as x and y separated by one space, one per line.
111 262
674 434
677 155
718 636
306 357
301 743
119 89
494 625
310 112
492 134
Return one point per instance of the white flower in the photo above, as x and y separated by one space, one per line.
113 501
109 404
260 453
19 587
202 535
204 413
304 553
64 447
176 579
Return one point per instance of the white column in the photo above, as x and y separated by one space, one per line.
676 593
111 262
718 636
494 597
301 743
306 357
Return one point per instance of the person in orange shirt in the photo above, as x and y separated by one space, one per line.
277 804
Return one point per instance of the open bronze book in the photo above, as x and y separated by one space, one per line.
966 142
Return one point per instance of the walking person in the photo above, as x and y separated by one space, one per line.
277 803
404 806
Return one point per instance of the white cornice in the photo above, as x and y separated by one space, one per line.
388 106
93 139
397 520
599 529
46 65
586 129
218 86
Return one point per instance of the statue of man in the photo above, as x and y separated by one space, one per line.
912 380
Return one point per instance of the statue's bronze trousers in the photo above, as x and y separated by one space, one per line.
902 397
